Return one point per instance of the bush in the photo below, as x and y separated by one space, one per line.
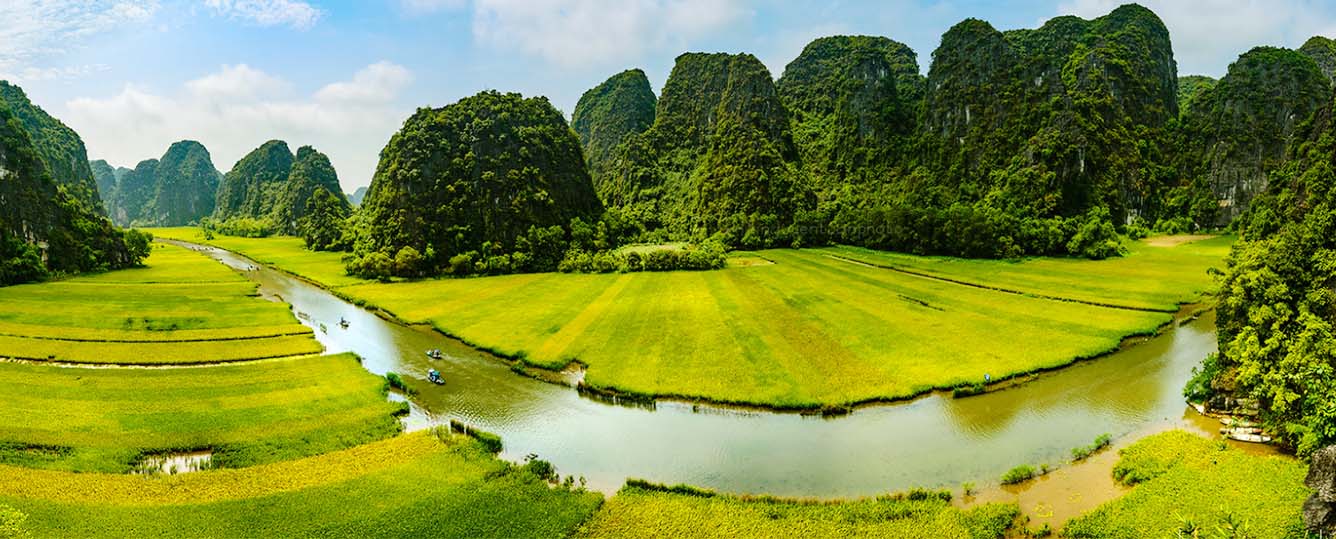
392 379
1019 474
1081 453
408 262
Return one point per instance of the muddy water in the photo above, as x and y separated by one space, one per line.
934 441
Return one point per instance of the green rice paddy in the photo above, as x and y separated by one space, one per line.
1188 486
286 252
109 419
414 485
181 308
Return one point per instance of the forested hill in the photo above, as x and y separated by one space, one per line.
854 101
44 228
1277 342
620 107
60 149
176 190
493 181
1240 130
719 158
268 191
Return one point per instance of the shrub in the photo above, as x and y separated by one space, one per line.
397 382
1019 474
1081 453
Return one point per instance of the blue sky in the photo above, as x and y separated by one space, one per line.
133 76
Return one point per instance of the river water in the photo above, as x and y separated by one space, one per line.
934 441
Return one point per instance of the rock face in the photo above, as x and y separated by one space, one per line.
176 190
1323 51
1241 129
1319 511
1073 100
719 158
60 149
853 99
476 176
620 107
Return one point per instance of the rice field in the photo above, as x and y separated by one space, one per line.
805 332
1155 274
108 420
415 485
655 512
1189 486
794 329
182 308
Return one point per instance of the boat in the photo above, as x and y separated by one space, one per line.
434 376
434 353
343 323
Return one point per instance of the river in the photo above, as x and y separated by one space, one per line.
934 441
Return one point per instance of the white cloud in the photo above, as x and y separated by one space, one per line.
378 82
577 33
234 110
36 30
1209 34
294 13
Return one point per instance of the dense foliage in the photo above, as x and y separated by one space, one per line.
44 228
60 149
620 107
1277 306
854 101
719 159
175 190
1240 129
494 183
271 191
1323 51
1191 86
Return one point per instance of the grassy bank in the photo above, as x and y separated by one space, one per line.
642 510
107 419
411 486
1185 483
181 308
808 331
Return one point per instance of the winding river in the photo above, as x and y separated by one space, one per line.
935 441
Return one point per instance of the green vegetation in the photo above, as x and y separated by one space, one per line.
51 224
494 183
1323 51
1156 274
59 148
620 107
271 191
719 159
247 414
1187 485
1276 307
1240 130
175 190
644 510
1190 87
1081 453
1019 474
181 308
414 485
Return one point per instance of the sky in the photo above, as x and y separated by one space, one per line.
133 76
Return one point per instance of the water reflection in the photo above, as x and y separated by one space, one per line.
935 441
